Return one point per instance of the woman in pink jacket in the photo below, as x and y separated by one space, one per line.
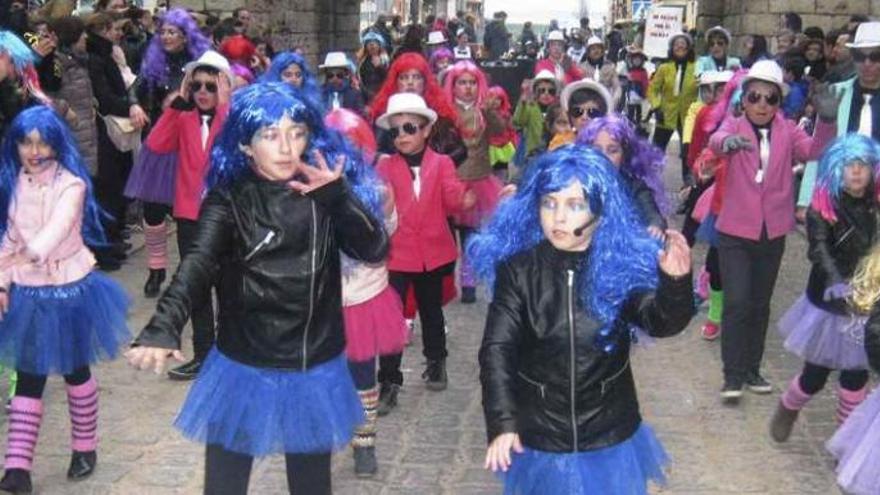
59 316
757 213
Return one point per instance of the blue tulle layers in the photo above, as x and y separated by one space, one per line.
259 411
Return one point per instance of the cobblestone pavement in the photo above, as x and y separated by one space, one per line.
434 443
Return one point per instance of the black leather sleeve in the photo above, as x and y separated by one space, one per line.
498 354
194 275
647 206
872 338
665 311
819 235
359 235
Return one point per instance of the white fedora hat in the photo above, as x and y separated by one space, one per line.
210 59
546 75
595 40
587 84
405 103
767 71
715 77
555 36
867 36
335 60
719 30
436 38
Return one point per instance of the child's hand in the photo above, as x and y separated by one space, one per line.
675 257
469 200
498 454
144 358
317 176
4 304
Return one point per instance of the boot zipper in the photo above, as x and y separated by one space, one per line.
311 287
266 240
573 360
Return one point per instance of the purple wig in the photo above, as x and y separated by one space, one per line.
641 159
155 66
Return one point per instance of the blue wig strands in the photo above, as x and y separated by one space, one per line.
621 258
264 104
284 60
842 152
22 56
57 135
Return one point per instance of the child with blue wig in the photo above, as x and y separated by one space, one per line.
573 270
820 327
59 316
271 228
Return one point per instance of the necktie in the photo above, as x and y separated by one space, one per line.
206 129
679 74
417 181
765 155
866 117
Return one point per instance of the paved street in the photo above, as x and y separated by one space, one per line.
435 442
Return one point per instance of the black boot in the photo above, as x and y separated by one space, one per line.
435 375
154 282
17 481
365 465
82 464
782 423
387 398
186 371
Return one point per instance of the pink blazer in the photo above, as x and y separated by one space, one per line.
45 222
423 240
749 205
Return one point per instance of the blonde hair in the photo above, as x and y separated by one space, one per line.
866 282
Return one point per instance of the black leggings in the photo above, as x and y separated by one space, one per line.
714 269
228 473
155 213
813 378
32 386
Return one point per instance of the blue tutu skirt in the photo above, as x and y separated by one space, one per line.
625 468
707 233
59 328
824 338
261 411
152 177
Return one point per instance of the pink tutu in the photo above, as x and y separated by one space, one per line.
824 338
375 327
487 190
856 445
704 204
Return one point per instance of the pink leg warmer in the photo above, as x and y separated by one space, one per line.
82 402
25 416
794 398
156 240
847 400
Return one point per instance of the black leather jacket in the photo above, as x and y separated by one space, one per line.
836 248
543 376
872 338
279 287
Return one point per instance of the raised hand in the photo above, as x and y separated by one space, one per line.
317 176
736 143
675 257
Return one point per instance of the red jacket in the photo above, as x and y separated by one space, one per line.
572 71
423 240
180 131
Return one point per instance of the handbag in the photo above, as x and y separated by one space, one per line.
122 133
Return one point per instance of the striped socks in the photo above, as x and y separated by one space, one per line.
847 400
82 402
156 240
794 398
25 416
365 434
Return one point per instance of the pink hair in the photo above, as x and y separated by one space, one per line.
355 128
459 69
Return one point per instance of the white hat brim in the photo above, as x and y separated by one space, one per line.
781 85
864 44
384 121
587 84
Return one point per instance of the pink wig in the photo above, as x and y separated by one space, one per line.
356 129
452 75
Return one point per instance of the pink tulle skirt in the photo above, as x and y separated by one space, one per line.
375 327
487 190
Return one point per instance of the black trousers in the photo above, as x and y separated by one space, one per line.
661 139
428 288
748 269
32 386
202 311
229 473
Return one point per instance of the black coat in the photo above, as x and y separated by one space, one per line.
836 248
872 338
277 256
543 376
643 197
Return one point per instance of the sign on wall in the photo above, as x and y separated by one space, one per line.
662 24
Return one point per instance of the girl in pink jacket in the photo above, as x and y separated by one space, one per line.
58 315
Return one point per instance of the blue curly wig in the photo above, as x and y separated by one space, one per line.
154 68
264 104
58 136
841 153
282 61
622 258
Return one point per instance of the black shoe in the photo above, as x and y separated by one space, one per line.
17 481
186 372
154 283
468 295
387 398
82 464
757 384
435 375
365 465
731 392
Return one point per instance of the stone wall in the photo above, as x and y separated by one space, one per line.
316 26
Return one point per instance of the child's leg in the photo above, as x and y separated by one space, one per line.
852 392
82 403
389 366
429 294
308 473
800 390
364 376
25 416
227 473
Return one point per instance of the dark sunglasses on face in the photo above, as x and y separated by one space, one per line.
578 112
771 100
336 75
408 129
210 87
546 91
860 56
717 43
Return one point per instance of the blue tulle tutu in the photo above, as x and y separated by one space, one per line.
707 233
152 177
623 469
59 328
259 411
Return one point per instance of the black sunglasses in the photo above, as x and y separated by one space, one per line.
408 128
547 91
336 75
719 42
195 86
577 112
771 100
860 56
